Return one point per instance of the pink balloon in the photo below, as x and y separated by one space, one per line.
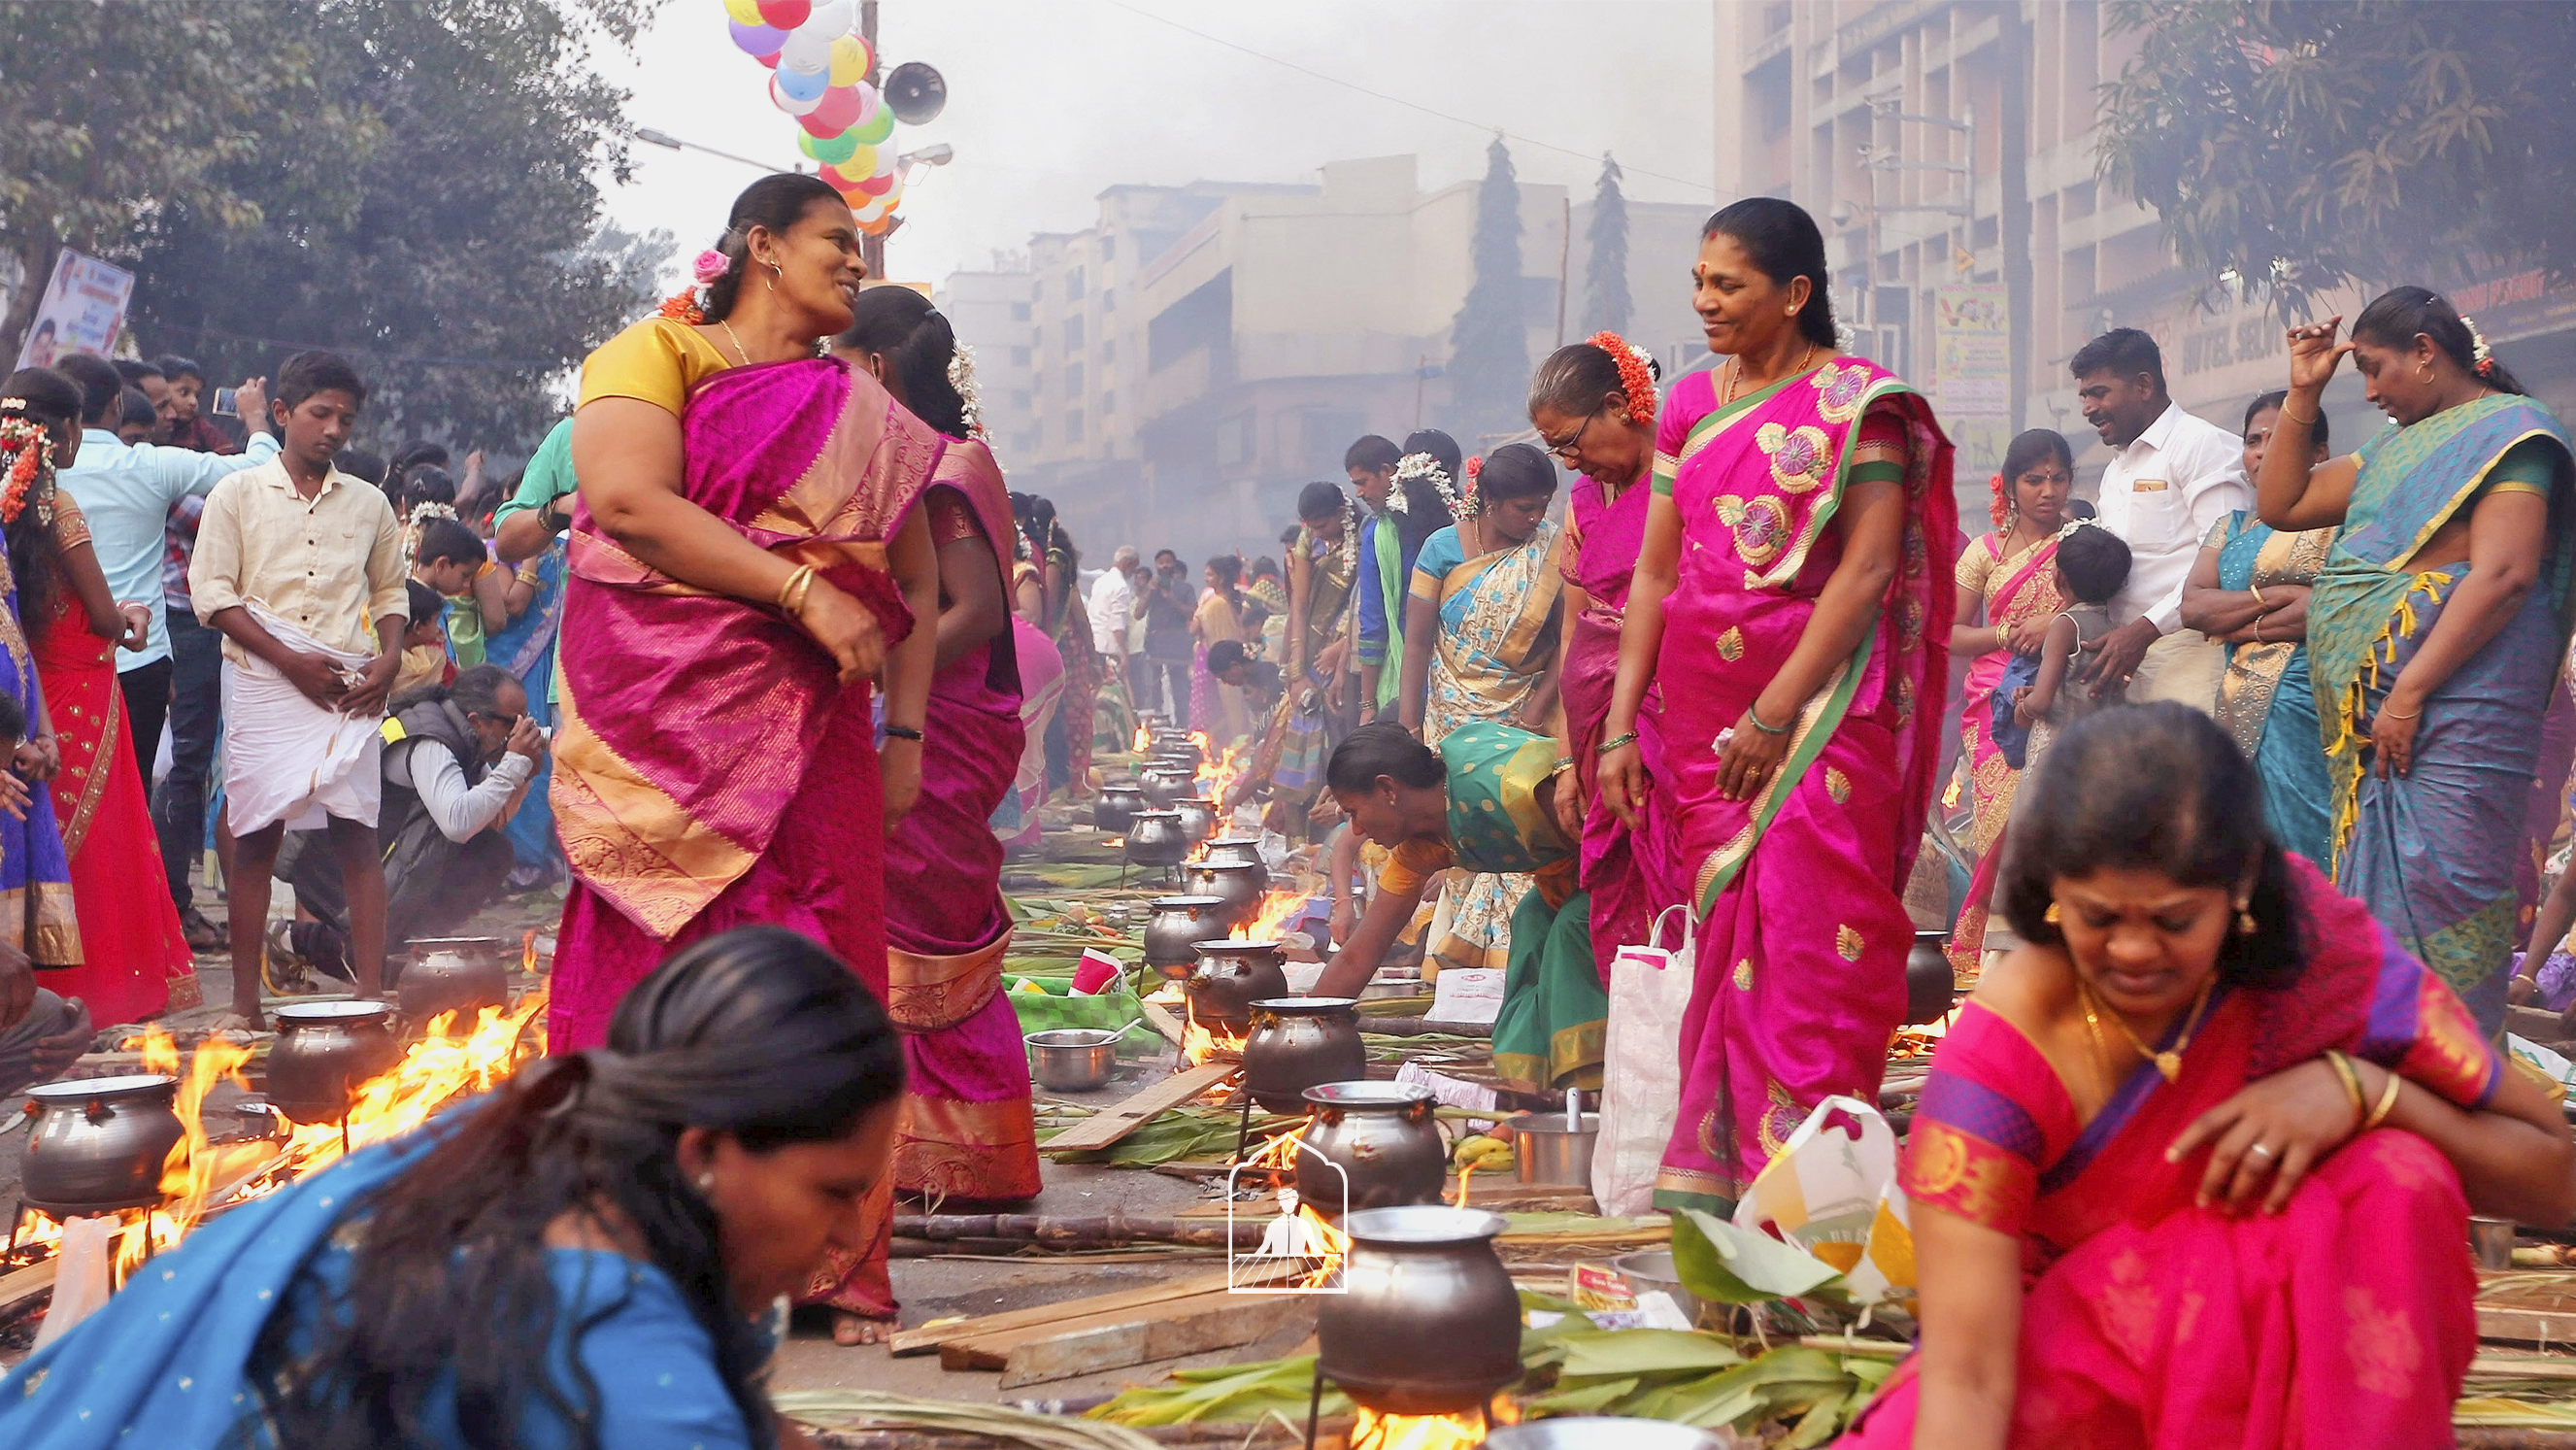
770 61
835 180
839 110
756 39
878 185
816 127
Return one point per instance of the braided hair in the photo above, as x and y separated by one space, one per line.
36 405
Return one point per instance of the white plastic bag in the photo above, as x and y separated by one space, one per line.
1833 1193
1641 1069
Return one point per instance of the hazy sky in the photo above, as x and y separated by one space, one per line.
1050 101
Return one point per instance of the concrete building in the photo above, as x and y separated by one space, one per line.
1947 147
991 313
1203 351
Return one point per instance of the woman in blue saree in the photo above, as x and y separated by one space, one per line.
525 646
2436 629
632 1212
2250 589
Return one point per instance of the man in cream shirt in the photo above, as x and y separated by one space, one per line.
2171 477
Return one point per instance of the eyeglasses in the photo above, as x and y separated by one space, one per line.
1567 449
506 722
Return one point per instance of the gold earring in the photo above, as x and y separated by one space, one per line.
2051 915
2244 919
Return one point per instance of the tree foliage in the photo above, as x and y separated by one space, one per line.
1489 341
411 182
1605 271
2310 144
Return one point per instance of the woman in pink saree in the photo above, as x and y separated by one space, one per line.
2195 1165
967 1130
1792 594
744 557
2006 579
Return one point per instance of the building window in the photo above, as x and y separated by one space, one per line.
1019 357
1108 299
1019 312
1037 291
1108 248
1109 402
1073 334
1073 380
1109 349
1073 285
1073 426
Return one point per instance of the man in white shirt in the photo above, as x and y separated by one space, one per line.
1113 599
2171 477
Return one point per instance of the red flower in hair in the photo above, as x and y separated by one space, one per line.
682 306
2001 509
1635 378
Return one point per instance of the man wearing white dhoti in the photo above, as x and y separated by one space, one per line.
300 566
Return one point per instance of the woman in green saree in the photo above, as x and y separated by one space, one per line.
2436 628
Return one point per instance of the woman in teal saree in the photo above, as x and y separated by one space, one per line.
2436 628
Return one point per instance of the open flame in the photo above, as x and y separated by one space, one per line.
1373 1431
202 1177
1143 742
1270 923
1217 774
1199 1045
1279 1156
1465 1172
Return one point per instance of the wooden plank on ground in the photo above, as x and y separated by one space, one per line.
1141 1335
1164 1022
37 1278
931 1336
2516 1367
2526 1326
1115 1122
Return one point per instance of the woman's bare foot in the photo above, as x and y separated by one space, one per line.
850 1329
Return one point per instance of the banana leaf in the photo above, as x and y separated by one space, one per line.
1226 1395
1633 1352
1718 1261
1591 1399
2495 1412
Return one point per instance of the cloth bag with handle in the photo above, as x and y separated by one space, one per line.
1641 1067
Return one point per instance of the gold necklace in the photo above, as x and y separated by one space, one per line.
1735 374
739 350
2169 1062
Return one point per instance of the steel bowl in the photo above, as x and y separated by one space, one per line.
1300 1042
1429 1323
1607 1432
460 974
1227 882
1549 1152
1652 1272
98 1146
1381 1136
1930 987
1232 975
1178 925
324 1050
1154 838
1072 1059
1118 800
1198 817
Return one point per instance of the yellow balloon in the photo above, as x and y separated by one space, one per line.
862 162
849 57
746 11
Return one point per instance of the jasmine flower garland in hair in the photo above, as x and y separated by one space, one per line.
961 376
1427 468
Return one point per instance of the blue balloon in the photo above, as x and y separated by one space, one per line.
756 40
803 85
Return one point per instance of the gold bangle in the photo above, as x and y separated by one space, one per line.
2295 418
2256 590
2387 1100
791 595
2351 1083
2393 715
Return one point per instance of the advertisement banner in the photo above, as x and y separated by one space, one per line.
1972 373
82 311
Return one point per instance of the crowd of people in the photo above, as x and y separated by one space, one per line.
2232 786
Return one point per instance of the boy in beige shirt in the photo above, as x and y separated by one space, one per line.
300 566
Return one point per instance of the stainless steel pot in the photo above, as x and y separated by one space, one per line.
1430 1323
1118 800
1547 1151
1178 745
1381 1135
1930 987
1605 1432
1239 851
1651 1271
1154 838
1297 1043
1227 882
460 974
324 1050
1232 975
1072 1059
1165 784
1198 817
1179 924
99 1146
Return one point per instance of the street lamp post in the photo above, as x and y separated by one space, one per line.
669 142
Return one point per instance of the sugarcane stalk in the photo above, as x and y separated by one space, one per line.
1064 1231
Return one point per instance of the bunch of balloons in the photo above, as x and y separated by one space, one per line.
821 79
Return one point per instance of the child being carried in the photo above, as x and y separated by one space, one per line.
2032 703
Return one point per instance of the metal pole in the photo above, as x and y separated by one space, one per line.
871 248
1564 256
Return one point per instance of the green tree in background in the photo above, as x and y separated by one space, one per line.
1605 271
1489 341
2315 143
415 186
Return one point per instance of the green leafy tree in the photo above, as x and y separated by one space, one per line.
1605 272
1489 341
2310 144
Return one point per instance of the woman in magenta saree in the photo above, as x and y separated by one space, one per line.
1792 594
2007 576
2254 1241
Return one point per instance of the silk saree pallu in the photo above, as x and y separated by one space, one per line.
1803 933
2435 851
2016 590
710 769
1627 875
2148 1322
2265 699
1498 632
966 1129
1549 1030
36 914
